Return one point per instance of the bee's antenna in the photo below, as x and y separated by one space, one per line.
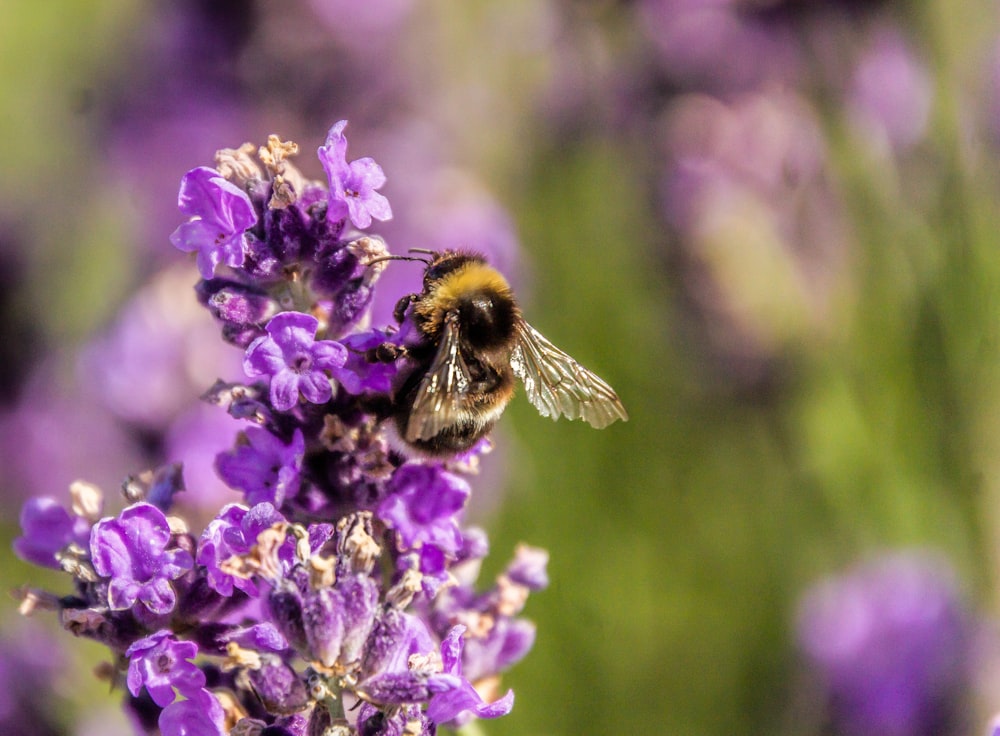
425 251
381 259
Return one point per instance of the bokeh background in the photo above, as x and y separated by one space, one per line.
772 225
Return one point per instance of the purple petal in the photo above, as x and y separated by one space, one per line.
263 357
451 650
190 236
200 715
292 329
425 506
285 390
359 213
47 528
158 596
196 195
315 387
497 708
378 206
447 706
528 567
329 354
359 375
335 146
122 594
108 549
265 637
207 261
175 563
206 194
368 173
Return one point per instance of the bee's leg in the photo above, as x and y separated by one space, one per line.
399 313
387 352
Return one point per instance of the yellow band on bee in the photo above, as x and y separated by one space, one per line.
469 278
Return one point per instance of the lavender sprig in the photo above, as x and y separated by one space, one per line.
339 597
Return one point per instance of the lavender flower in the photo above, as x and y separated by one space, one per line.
199 715
221 214
154 361
353 185
891 92
361 375
342 575
231 534
262 466
450 704
30 662
48 530
294 360
890 644
423 506
132 550
161 663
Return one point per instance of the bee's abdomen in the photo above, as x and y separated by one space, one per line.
456 438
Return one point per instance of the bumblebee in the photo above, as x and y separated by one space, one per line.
471 342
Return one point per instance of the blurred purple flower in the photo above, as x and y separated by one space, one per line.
262 466
47 529
424 506
720 45
161 663
352 185
294 360
200 715
158 356
221 214
30 663
891 92
198 436
369 21
451 704
890 644
32 463
748 195
132 551
529 567
505 644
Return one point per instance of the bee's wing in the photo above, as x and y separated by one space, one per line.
439 402
558 385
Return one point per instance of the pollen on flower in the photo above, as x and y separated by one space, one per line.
238 165
287 181
239 658
512 596
275 153
88 500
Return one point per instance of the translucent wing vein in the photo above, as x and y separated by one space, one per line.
559 386
440 400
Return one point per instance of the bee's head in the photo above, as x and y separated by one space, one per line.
447 262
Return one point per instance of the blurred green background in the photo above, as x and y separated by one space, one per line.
771 441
